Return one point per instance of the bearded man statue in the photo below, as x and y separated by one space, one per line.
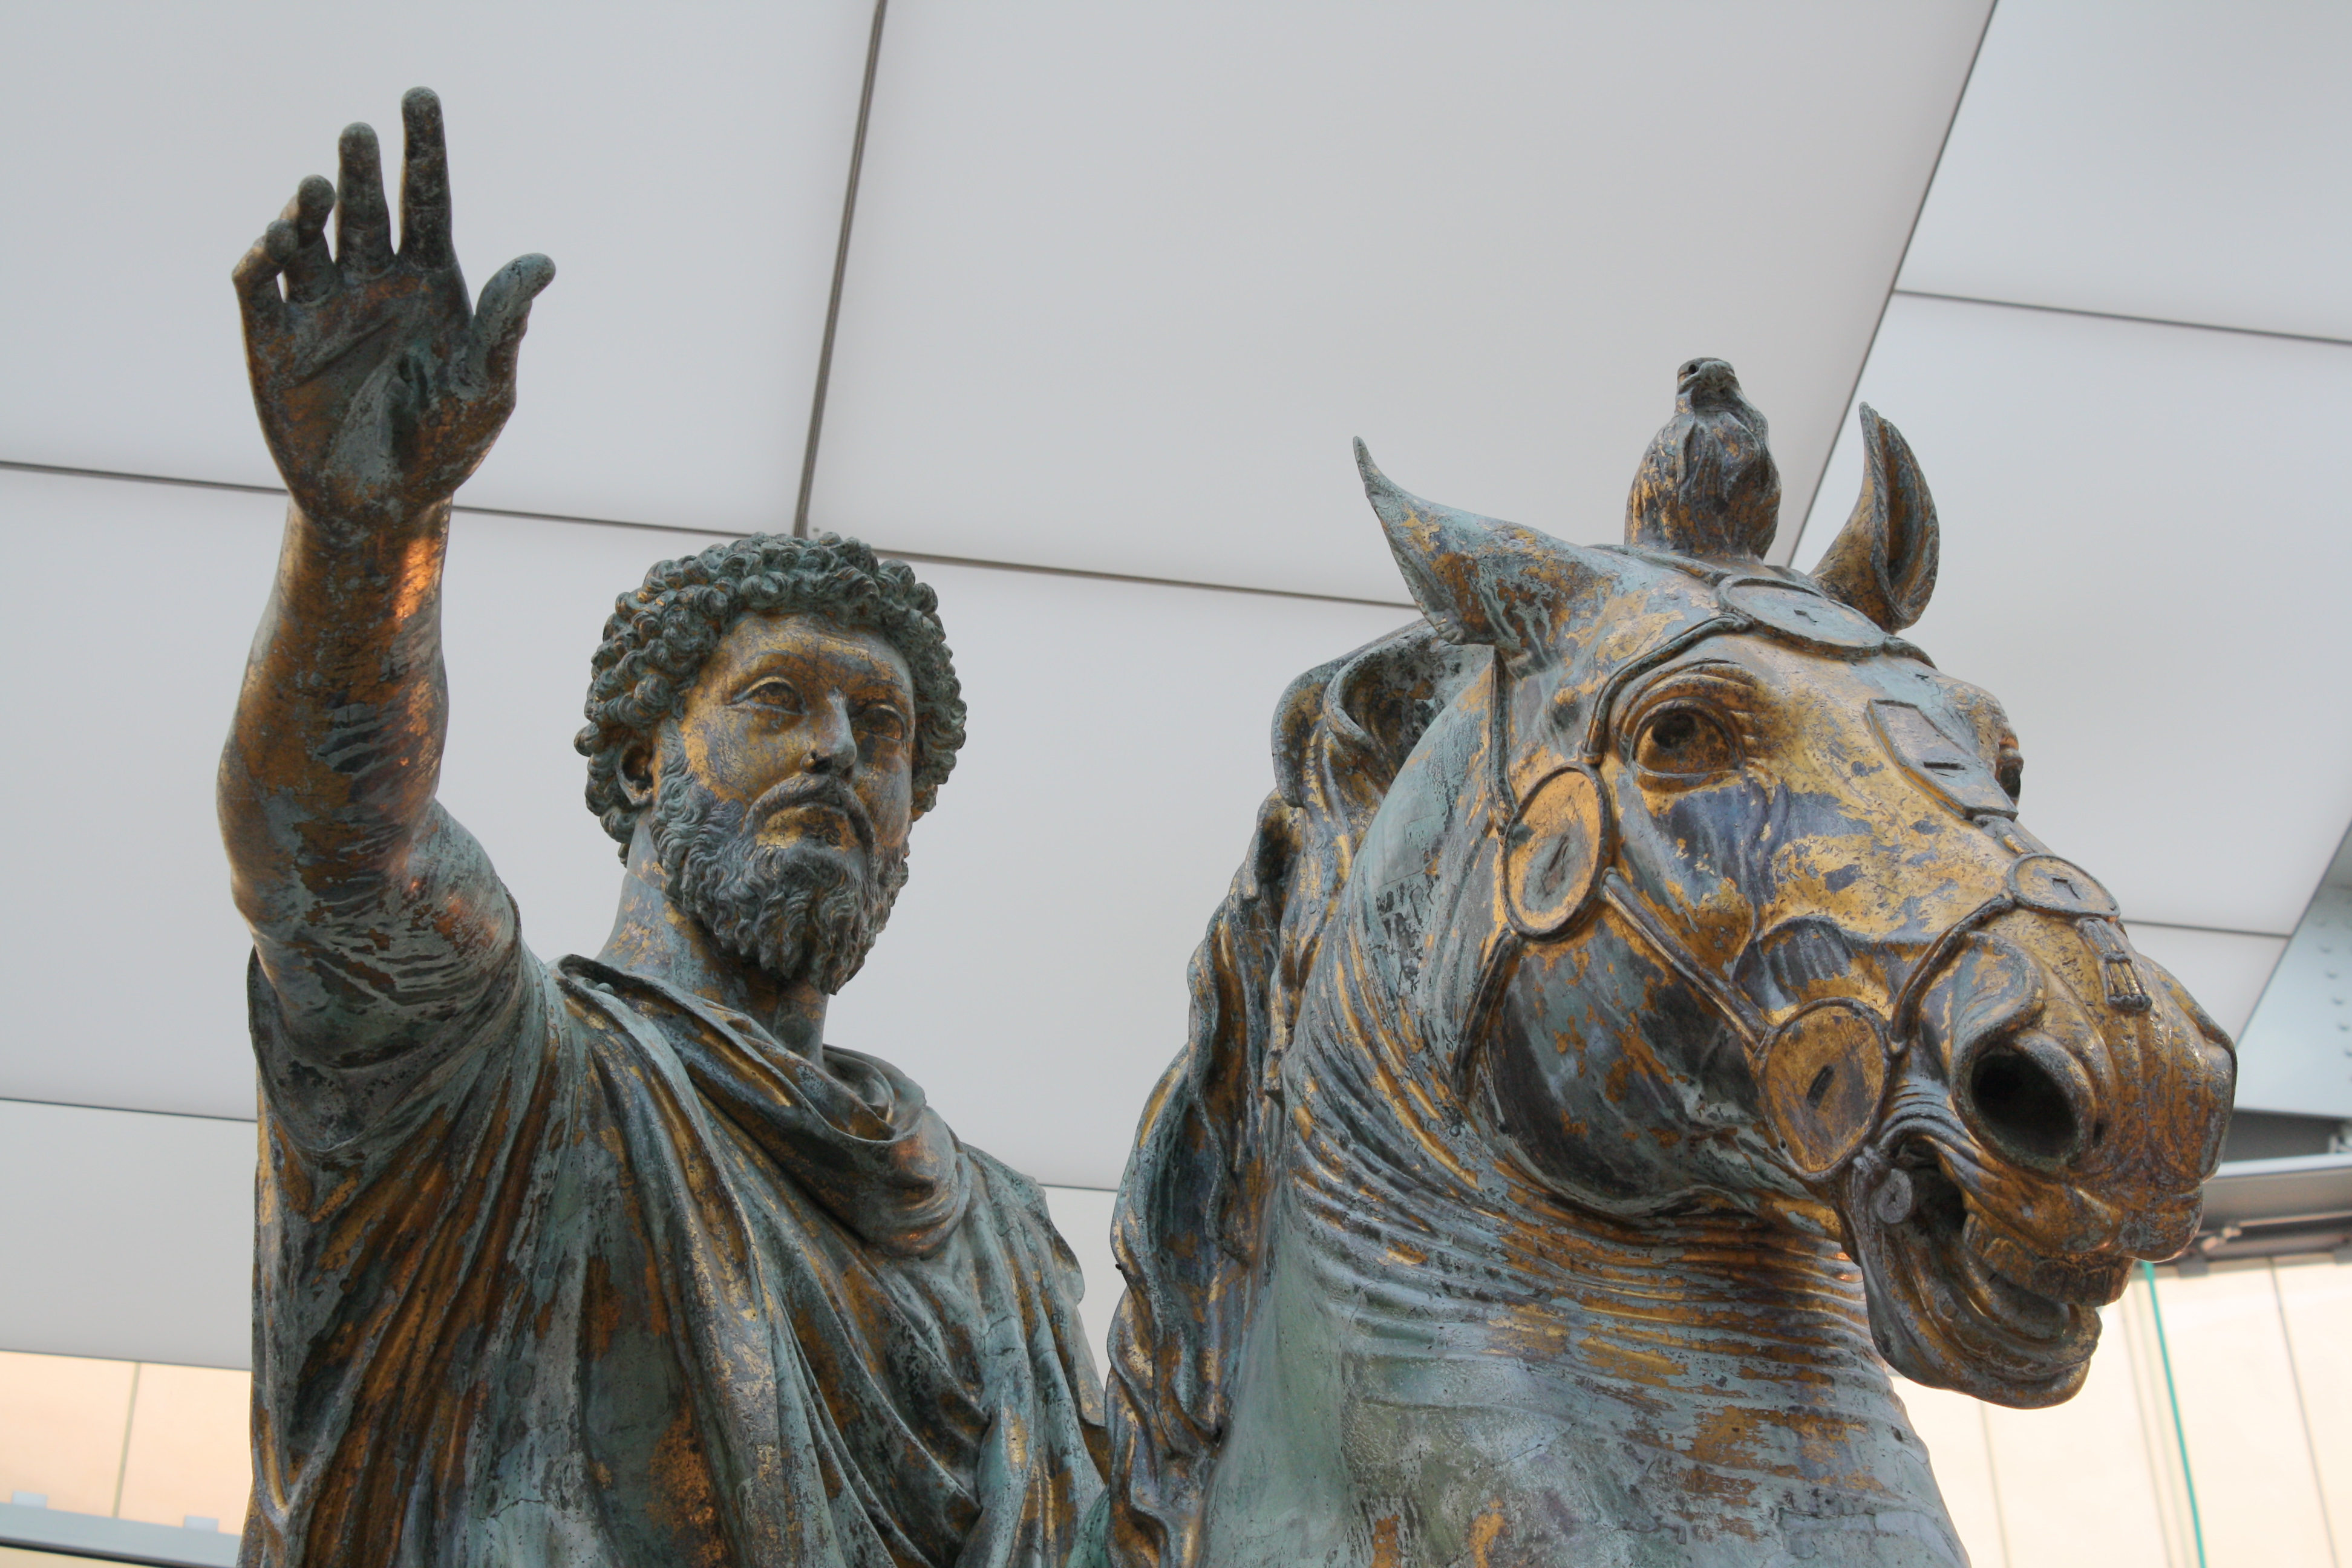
613 1261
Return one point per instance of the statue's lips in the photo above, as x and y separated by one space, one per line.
800 797
1980 1304
2094 1280
805 807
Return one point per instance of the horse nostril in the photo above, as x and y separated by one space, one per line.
2022 1104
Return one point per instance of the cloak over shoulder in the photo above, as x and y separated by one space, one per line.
602 1274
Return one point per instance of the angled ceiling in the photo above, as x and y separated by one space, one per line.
684 166
2143 571
2161 158
2123 349
1126 279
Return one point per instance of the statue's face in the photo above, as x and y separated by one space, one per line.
809 728
780 795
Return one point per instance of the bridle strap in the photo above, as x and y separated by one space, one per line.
1597 724
1737 1010
1756 1032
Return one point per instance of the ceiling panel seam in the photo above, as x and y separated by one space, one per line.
1404 605
1787 555
63 472
2210 931
2121 316
124 1110
840 269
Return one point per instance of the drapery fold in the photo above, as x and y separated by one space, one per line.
601 1273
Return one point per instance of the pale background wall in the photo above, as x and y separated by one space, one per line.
1124 281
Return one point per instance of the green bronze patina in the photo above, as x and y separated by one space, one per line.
613 1261
1639 1013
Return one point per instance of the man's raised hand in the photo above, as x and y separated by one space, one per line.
380 389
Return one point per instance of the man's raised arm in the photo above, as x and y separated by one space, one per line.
379 390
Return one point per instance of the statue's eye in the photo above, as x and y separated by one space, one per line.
881 720
780 695
1683 742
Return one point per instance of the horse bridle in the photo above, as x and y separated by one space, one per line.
1823 1070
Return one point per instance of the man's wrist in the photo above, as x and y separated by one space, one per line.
343 525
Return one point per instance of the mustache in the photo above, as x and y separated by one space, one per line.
816 789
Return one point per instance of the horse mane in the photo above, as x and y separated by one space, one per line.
1195 1196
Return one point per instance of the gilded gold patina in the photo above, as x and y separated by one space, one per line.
1640 1019
616 1260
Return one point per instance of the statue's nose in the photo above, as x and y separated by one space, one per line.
832 742
2028 1098
2022 1092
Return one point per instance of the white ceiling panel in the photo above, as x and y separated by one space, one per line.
1084 1217
123 889
123 960
2224 970
684 166
1033 977
2167 158
1126 279
129 1237
2145 539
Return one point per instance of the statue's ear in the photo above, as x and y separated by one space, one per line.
635 774
1883 561
1477 580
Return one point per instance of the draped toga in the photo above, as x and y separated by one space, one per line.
602 1273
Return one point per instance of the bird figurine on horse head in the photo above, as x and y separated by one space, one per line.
1640 1020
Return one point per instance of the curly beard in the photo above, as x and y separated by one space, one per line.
796 915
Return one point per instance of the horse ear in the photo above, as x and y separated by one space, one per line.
1477 580
1882 563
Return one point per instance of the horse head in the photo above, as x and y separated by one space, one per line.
1751 915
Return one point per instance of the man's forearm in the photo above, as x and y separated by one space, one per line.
328 775
380 389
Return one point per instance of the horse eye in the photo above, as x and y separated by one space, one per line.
1684 743
2009 768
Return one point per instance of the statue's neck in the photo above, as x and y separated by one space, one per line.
1756 1288
1711 1290
653 937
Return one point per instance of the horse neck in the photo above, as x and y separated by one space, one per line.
1392 1143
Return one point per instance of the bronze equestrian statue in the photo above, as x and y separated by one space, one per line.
1639 1011
613 1261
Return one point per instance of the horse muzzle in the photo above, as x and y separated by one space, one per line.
2053 1123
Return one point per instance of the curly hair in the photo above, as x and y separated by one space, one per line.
661 634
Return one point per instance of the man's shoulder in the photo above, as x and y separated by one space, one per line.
1017 1205
332 1085
1005 1181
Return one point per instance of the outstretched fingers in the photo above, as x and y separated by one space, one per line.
363 221
309 271
504 316
424 240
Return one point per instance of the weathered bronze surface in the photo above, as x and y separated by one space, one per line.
614 1261
1639 1000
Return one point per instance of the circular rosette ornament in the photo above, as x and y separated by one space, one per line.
1823 1074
